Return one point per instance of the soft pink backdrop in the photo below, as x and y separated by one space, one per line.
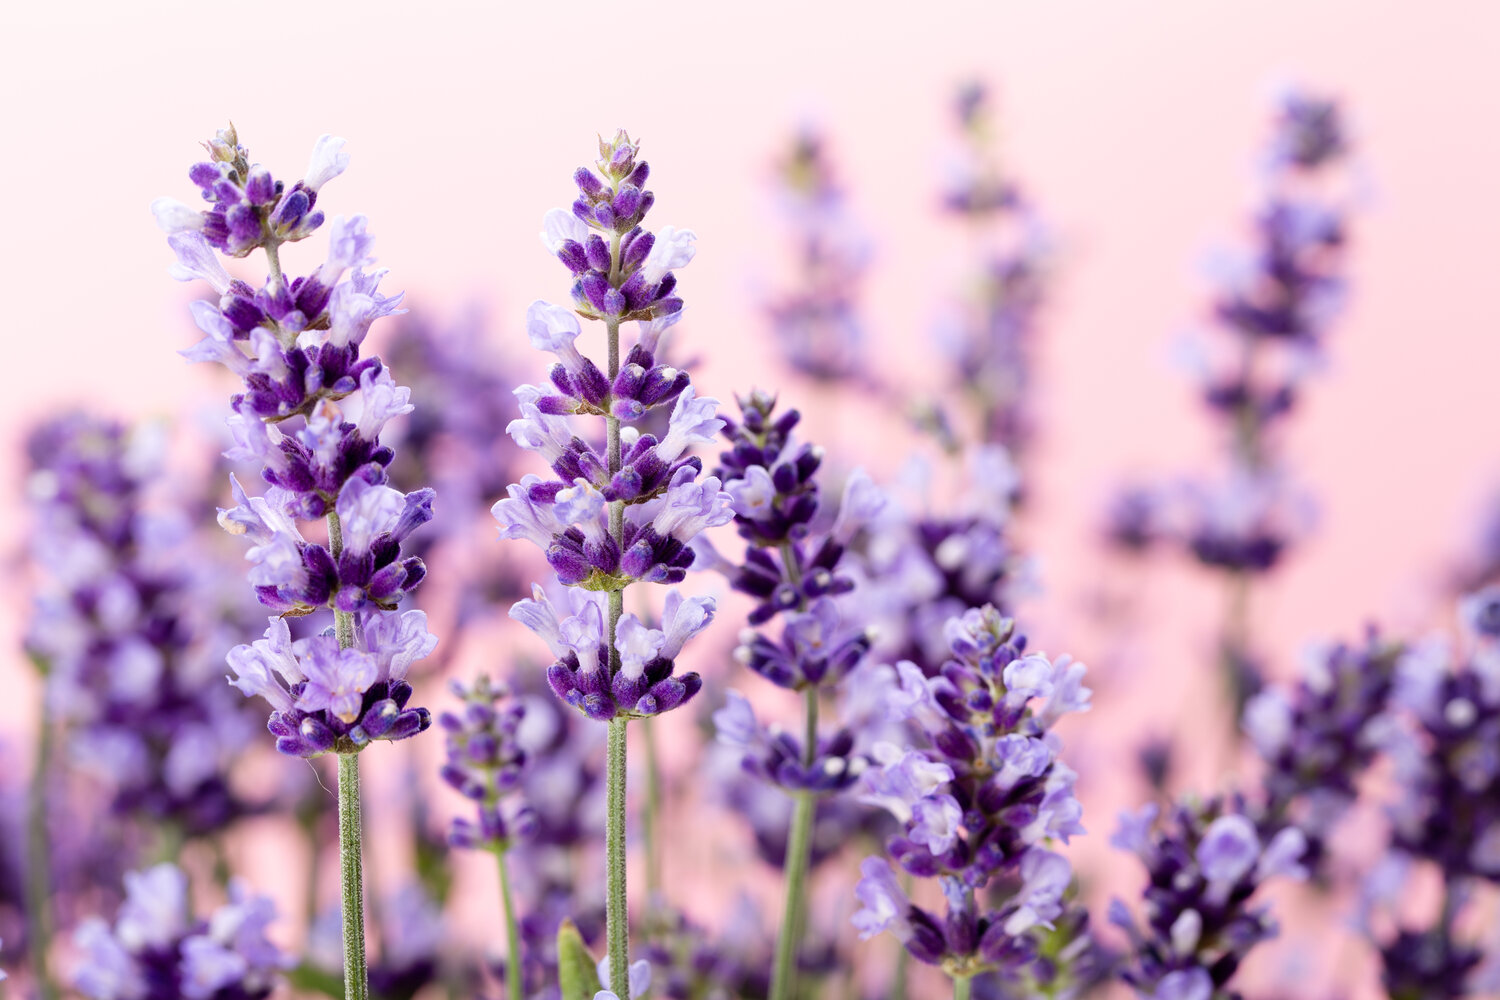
1132 125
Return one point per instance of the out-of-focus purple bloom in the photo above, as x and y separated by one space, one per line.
816 321
990 336
121 626
157 950
486 763
1204 862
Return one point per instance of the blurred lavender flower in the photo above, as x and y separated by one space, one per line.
296 344
980 802
990 339
485 764
121 626
1319 738
816 321
411 932
1204 862
157 950
916 569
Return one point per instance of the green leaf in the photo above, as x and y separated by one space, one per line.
576 973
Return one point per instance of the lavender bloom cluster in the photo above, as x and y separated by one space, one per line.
629 513
1445 758
486 764
990 342
310 415
817 322
1204 863
157 950
1320 737
979 803
122 631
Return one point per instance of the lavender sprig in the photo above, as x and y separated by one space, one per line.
296 345
793 568
980 799
1203 862
157 950
627 515
485 764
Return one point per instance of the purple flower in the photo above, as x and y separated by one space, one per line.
158 949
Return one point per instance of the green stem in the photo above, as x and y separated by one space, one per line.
273 261
961 986
798 851
616 914
39 866
652 812
351 859
351 866
512 933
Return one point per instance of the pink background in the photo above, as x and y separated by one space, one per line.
1133 126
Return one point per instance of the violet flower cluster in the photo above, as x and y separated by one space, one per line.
990 341
816 321
310 415
486 764
124 632
1204 862
793 568
1318 739
980 803
157 950
624 509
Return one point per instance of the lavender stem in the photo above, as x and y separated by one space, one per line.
616 914
38 863
513 985
961 987
798 850
351 861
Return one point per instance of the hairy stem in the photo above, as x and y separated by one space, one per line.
798 851
652 811
351 860
512 932
38 861
351 867
616 913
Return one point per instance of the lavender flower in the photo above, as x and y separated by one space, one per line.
485 764
990 340
979 802
296 344
1204 862
127 641
816 321
628 514
1318 739
157 950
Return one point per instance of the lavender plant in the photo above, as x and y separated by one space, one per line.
1204 862
816 321
628 514
485 763
157 949
990 339
793 568
981 796
296 345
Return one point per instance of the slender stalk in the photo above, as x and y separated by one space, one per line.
798 851
38 863
961 987
273 261
652 812
512 933
351 859
351 866
616 914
